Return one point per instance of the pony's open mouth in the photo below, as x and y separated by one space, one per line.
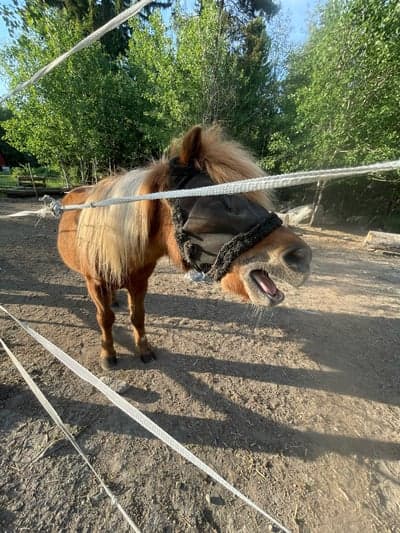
265 284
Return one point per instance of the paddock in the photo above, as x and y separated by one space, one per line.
298 407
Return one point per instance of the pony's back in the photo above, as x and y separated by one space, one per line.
111 239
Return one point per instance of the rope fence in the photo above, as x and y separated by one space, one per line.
138 416
55 208
57 419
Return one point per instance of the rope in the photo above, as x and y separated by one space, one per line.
87 41
138 416
255 184
249 185
50 207
56 418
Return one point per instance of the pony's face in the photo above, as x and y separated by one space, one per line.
282 255
248 270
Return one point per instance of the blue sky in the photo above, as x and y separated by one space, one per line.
298 12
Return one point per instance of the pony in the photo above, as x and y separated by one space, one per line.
236 239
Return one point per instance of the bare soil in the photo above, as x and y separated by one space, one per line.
298 407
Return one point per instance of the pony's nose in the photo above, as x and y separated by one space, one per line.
298 258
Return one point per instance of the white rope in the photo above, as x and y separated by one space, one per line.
43 212
249 185
56 418
87 41
138 416
255 184
50 207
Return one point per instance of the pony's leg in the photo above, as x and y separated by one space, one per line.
136 295
101 297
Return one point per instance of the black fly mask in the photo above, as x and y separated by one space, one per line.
212 231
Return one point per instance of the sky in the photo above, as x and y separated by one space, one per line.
297 11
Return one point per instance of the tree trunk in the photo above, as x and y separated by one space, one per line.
33 181
317 201
378 240
65 176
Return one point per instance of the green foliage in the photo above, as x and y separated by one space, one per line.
205 65
12 156
253 119
245 10
342 92
80 114
150 66
339 106
97 111
202 75
24 14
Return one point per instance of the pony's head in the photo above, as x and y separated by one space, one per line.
236 239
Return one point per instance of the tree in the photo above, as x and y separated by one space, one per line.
95 12
246 10
78 116
12 156
340 98
97 110
256 107
199 75
347 85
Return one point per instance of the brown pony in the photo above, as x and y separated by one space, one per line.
118 246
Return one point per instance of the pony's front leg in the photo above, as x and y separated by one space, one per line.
101 297
136 295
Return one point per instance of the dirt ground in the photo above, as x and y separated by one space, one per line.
297 407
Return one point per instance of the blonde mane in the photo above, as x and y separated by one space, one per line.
112 240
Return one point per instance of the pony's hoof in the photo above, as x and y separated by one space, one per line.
148 357
108 363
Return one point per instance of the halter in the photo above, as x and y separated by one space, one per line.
212 231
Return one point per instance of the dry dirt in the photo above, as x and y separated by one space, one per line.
298 407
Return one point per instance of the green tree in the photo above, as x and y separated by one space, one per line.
343 87
12 156
98 111
205 65
341 95
253 119
195 73
24 13
81 115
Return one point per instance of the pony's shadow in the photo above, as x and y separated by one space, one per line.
241 428
264 434
352 362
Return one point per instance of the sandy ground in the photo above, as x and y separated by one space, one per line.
298 407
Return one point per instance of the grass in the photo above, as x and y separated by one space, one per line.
7 181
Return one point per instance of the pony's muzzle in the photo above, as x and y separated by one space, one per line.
298 259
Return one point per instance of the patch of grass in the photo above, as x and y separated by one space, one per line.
8 181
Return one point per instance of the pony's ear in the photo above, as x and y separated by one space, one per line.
191 149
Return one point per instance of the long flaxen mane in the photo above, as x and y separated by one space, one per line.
112 240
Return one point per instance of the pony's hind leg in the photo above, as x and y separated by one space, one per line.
136 295
102 297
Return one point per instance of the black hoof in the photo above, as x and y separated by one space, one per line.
108 363
148 357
